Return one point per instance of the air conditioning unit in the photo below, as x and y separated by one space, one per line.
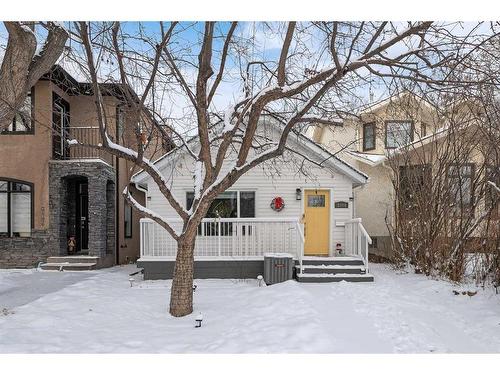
278 267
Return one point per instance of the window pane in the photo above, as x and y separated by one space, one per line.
121 122
21 214
398 134
225 205
17 186
189 200
316 201
128 220
3 214
369 137
22 119
3 185
460 180
247 204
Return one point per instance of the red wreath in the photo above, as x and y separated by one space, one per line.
277 204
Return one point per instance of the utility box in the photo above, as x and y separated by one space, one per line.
278 267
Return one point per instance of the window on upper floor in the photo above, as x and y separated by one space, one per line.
16 216
120 121
22 123
398 133
369 136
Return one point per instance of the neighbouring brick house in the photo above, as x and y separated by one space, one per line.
51 192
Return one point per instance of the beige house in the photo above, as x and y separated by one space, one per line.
380 131
55 199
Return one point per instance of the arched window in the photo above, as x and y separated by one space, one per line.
16 208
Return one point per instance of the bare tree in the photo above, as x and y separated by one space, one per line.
318 75
22 66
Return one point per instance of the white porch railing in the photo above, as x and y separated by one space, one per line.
227 237
357 240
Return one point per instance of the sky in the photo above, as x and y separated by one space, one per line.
267 42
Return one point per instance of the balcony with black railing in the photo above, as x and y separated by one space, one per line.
88 136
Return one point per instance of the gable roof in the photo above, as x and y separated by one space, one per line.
333 160
66 82
393 99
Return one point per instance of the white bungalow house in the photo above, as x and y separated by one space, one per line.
303 208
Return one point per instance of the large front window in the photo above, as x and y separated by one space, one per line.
398 133
229 204
15 209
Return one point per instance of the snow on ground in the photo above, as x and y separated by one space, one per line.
98 312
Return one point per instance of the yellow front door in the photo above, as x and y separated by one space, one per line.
316 222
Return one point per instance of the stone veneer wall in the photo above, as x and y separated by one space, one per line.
101 216
26 252
22 252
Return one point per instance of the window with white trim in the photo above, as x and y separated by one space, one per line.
229 204
16 215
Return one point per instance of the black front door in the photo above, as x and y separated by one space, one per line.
82 217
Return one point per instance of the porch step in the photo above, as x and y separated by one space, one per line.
331 261
73 259
67 266
332 269
333 277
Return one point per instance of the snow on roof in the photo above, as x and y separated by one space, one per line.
392 98
370 159
342 165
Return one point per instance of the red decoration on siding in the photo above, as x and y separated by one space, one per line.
277 204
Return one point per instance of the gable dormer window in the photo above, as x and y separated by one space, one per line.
398 133
369 136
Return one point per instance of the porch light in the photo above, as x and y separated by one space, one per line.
298 194
194 288
198 320
131 280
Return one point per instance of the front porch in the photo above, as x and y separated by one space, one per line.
235 248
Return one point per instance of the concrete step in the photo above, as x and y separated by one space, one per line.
69 266
73 259
333 277
332 261
332 269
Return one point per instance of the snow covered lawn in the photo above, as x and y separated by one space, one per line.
101 313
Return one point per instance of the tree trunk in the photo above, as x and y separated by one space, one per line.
181 295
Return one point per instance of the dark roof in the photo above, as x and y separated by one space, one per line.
64 80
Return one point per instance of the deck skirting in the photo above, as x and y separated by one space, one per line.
163 269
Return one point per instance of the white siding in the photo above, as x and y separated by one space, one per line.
279 178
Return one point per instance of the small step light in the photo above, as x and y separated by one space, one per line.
198 320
